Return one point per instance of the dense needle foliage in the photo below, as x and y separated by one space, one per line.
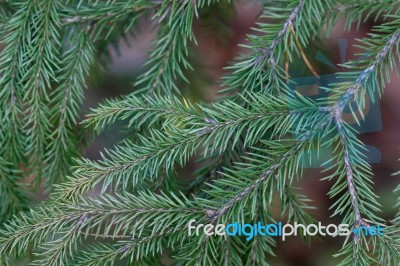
251 143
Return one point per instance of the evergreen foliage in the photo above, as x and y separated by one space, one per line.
252 143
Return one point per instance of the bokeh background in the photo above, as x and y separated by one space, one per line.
217 47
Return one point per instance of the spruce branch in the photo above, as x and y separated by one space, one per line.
262 71
66 100
292 154
128 162
12 136
106 21
367 78
39 73
91 215
220 123
136 249
57 251
361 86
169 58
359 11
139 110
104 12
348 169
268 53
242 189
11 93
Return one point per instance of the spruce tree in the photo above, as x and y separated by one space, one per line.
251 143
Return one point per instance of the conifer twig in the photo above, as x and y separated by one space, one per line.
268 52
337 112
